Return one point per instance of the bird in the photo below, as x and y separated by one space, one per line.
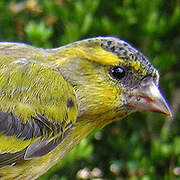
50 99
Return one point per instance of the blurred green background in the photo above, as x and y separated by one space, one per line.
144 146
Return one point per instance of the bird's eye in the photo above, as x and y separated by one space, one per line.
117 72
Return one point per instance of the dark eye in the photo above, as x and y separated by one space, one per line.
117 72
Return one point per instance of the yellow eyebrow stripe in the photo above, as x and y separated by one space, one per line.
101 56
96 54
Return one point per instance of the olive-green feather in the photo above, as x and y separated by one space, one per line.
41 88
37 106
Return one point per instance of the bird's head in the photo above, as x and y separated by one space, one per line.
111 78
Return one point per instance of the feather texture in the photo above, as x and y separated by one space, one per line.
52 98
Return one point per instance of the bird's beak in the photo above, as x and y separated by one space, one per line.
147 97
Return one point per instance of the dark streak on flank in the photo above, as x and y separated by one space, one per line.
70 103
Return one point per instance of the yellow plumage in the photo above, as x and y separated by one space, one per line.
52 98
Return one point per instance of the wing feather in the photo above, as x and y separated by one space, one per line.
11 158
38 107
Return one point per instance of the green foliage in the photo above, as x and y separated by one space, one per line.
38 34
144 146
